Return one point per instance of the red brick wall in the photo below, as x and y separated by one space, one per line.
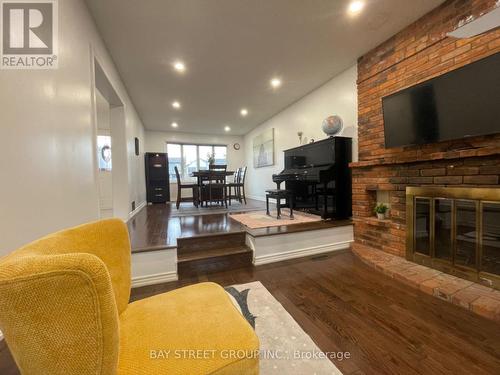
418 53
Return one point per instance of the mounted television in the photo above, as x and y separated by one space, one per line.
459 104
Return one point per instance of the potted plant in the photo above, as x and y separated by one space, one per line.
211 158
381 209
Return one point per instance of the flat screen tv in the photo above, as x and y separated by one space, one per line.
462 103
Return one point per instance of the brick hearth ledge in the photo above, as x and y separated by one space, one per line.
474 297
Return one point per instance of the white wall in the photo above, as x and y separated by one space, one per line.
48 178
338 96
157 142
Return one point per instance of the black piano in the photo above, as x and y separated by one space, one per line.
319 177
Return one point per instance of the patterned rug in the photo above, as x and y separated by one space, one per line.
284 347
259 219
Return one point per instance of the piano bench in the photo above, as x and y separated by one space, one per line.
278 195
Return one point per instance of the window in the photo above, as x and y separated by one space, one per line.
189 158
104 152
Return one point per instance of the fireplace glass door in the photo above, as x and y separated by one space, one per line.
456 230
466 233
490 238
423 226
443 225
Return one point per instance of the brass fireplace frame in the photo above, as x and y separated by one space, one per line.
479 196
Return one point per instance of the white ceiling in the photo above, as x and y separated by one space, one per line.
232 48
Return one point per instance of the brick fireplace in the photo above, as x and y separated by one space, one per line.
418 53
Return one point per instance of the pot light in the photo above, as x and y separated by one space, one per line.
355 7
275 83
179 66
175 125
244 112
227 128
176 105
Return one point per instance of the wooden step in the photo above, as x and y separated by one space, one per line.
213 260
196 244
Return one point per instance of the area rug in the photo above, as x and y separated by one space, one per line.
259 219
284 347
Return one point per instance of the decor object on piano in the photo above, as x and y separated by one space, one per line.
263 149
381 209
333 125
300 137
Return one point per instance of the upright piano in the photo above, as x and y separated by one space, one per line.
319 177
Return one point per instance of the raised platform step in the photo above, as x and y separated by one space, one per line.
199 244
212 253
213 260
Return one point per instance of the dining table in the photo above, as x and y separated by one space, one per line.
206 174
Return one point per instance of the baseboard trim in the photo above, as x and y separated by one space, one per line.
257 198
137 209
158 278
300 253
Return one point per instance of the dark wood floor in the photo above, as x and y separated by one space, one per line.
346 306
159 226
388 327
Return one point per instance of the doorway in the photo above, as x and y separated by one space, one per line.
104 156
110 147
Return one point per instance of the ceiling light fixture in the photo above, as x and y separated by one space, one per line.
244 112
179 66
275 83
175 125
176 105
227 128
355 7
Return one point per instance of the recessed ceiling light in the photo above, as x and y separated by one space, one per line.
176 105
355 7
244 112
175 125
275 83
227 128
179 66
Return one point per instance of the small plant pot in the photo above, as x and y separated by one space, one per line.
380 216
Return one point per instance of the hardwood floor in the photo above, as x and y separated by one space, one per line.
387 327
159 226
344 305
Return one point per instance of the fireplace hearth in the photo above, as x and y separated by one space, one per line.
455 230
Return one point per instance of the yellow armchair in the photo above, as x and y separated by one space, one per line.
64 311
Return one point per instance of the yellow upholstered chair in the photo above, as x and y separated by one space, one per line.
64 310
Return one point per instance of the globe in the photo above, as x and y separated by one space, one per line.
333 125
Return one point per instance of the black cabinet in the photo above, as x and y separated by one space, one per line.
157 179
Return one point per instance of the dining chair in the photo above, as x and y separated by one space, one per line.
215 188
194 188
219 168
234 184
241 187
